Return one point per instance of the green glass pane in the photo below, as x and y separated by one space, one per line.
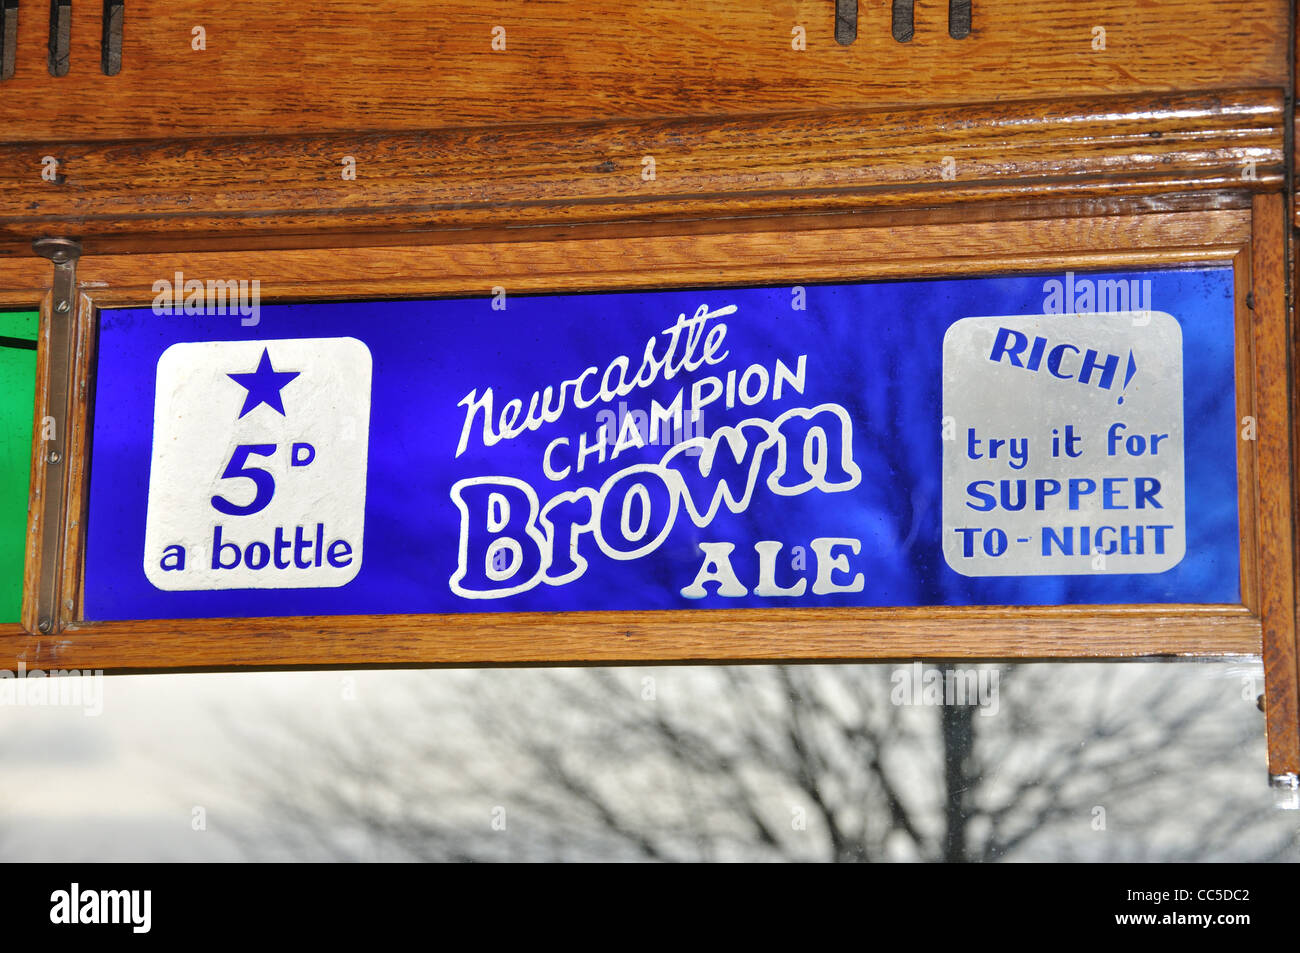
18 324
17 396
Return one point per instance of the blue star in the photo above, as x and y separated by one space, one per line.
263 385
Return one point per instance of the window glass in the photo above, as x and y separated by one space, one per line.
882 762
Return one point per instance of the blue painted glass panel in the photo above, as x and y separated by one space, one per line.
875 350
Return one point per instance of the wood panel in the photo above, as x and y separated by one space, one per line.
642 637
815 252
346 65
824 249
518 178
1294 125
24 281
1273 346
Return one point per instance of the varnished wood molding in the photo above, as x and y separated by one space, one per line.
644 637
1276 513
567 174
579 262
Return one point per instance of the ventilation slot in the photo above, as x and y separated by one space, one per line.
110 57
902 28
60 36
846 21
8 36
959 19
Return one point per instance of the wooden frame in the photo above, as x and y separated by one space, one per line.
822 250
423 66
496 169
478 185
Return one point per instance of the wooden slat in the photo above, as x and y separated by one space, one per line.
564 175
41 480
330 65
773 252
1295 117
24 280
1273 346
644 637
79 417
1247 450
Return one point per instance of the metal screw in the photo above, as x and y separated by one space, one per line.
54 457
43 625
62 307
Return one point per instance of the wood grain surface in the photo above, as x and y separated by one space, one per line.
825 248
565 638
347 66
143 193
1276 506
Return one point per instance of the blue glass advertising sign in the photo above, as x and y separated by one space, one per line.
1034 440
